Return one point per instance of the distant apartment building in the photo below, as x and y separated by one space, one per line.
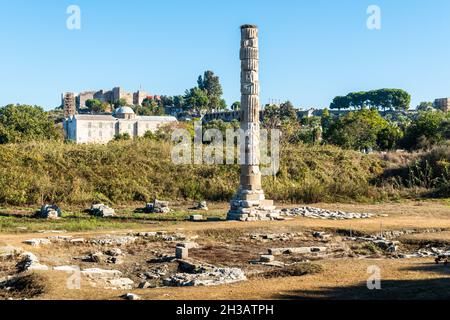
442 104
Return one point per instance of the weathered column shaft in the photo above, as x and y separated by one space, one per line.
250 105
249 204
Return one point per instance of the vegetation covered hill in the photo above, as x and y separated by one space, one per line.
124 171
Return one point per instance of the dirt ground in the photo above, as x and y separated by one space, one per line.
230 244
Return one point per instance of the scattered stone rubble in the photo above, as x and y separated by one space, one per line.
114 240
113 256
317 213
102 211
60 239
52 231
267 258
428 251
9 252
296 250
49 212
160 235
202 206
131 296
29 262
392 234
381 242
108 279
269 261
243 210
216 277
157 207
53 239
69 269
275 236
181 253
155 274
37 242
321 235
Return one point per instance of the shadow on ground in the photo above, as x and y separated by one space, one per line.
417 289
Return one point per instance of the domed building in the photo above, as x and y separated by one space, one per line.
125 113
91 128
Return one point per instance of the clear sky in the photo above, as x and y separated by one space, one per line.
311 50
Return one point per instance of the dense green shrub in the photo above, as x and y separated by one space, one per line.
19 123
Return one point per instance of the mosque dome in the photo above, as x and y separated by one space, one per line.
124 113
124 110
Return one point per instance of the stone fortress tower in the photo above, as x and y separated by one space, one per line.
69 107
250 204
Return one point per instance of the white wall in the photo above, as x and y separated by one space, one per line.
102 131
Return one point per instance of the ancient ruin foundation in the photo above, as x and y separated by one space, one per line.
249 202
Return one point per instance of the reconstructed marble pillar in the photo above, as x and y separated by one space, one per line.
250 186
250 195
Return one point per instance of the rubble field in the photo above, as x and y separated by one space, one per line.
128 264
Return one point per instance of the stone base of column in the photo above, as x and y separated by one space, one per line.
252 206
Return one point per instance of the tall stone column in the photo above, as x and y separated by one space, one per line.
249 202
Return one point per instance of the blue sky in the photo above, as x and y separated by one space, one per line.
311 51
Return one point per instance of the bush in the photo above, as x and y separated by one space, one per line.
429 171
142 170
19 123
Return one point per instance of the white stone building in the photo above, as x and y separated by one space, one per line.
86 128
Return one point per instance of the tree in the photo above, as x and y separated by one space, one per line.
284 118
382 99
426 130
149 135
425 106
96 106
149 107
196 99
288 112
122 137
178 102
388 137
210 84
275 116
19 123
236 106
120 103
357 130
272 118
167 101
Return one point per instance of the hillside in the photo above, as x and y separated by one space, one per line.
126 171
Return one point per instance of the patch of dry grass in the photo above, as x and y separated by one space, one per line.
298 270
26 286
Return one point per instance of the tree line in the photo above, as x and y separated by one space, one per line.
206 96
382 99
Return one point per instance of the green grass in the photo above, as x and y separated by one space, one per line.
16 224
81 221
